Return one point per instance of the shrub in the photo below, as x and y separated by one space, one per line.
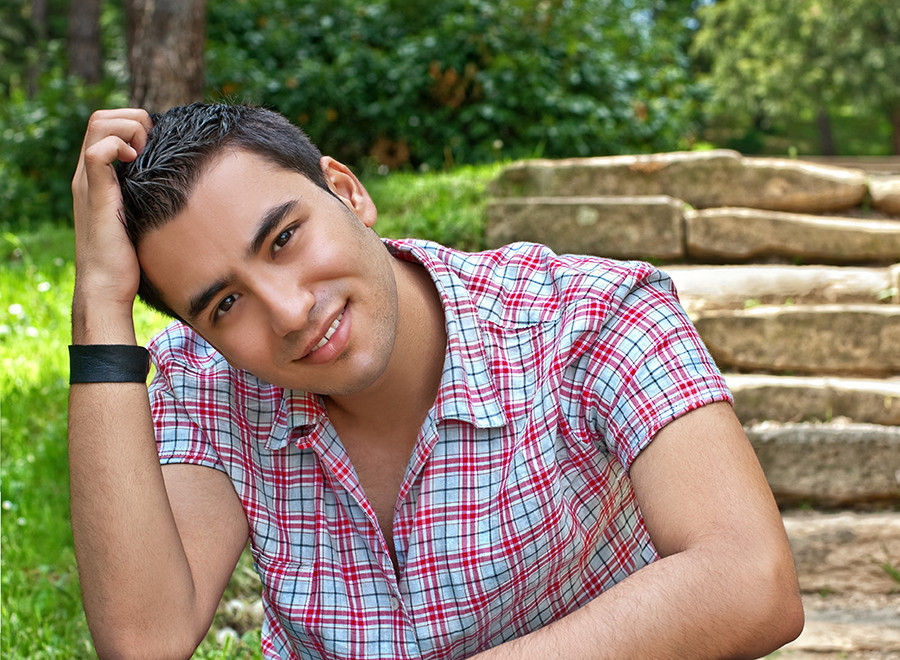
40 137
440 82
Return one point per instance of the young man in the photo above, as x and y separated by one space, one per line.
434 454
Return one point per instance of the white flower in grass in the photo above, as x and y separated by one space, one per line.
227 636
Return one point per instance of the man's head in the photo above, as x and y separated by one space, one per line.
264 247
184 141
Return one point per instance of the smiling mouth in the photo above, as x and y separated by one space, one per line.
329 332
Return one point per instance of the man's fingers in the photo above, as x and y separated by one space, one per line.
130 125
111 135
107 151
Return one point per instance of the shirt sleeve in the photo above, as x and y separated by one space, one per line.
649 367
179 438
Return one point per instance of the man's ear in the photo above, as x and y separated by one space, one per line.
343 183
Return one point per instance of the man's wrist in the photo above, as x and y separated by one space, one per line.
100 321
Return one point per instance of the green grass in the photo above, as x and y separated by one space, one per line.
40 606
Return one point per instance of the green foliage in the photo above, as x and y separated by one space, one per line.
43 114
40 138
786 59
439 82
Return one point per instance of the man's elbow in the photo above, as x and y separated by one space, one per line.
141 643
777 609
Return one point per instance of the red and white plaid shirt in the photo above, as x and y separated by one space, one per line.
516 507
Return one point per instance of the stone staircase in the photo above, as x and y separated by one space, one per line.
790 272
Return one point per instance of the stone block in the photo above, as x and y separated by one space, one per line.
763 397
702 179
851 626
829 465
616 227
842 553
885 194
858 340
737 287
783 184
742 234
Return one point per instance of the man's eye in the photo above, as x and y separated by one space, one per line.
282 239
225 305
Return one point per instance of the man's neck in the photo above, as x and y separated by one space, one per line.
406 391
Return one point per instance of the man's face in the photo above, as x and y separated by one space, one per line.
287 281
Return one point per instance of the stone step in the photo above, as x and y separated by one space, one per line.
844 553
885 194
764 397
703 179
650 227
661 227
847 628
739 287
831 464
737 235
859 340
851 599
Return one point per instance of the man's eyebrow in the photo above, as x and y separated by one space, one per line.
201 301
267 224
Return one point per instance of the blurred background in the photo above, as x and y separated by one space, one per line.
427 100
431 84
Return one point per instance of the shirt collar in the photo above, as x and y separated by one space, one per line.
467 392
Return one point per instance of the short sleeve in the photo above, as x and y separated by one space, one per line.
178 438
649 367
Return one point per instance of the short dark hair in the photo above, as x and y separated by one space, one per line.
184 140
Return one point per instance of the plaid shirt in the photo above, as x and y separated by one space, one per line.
516 507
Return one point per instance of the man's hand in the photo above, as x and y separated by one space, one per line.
107 270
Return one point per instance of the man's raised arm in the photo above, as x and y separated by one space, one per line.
155 546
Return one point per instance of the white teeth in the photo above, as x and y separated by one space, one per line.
329 332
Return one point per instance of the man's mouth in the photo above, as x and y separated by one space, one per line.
329 332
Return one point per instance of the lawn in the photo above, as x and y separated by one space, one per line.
41 607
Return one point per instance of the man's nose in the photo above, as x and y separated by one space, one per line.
288 306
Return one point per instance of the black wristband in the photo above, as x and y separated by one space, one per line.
108 363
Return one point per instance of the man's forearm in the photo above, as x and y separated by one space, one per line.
134 573
694 604
725 586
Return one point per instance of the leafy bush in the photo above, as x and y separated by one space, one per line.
441 82
40 137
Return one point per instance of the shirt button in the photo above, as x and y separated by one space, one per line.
395 603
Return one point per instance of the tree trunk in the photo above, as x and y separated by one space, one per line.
826 139
85 58
165 52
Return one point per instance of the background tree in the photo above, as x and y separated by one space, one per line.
165 51
84 44
783 59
